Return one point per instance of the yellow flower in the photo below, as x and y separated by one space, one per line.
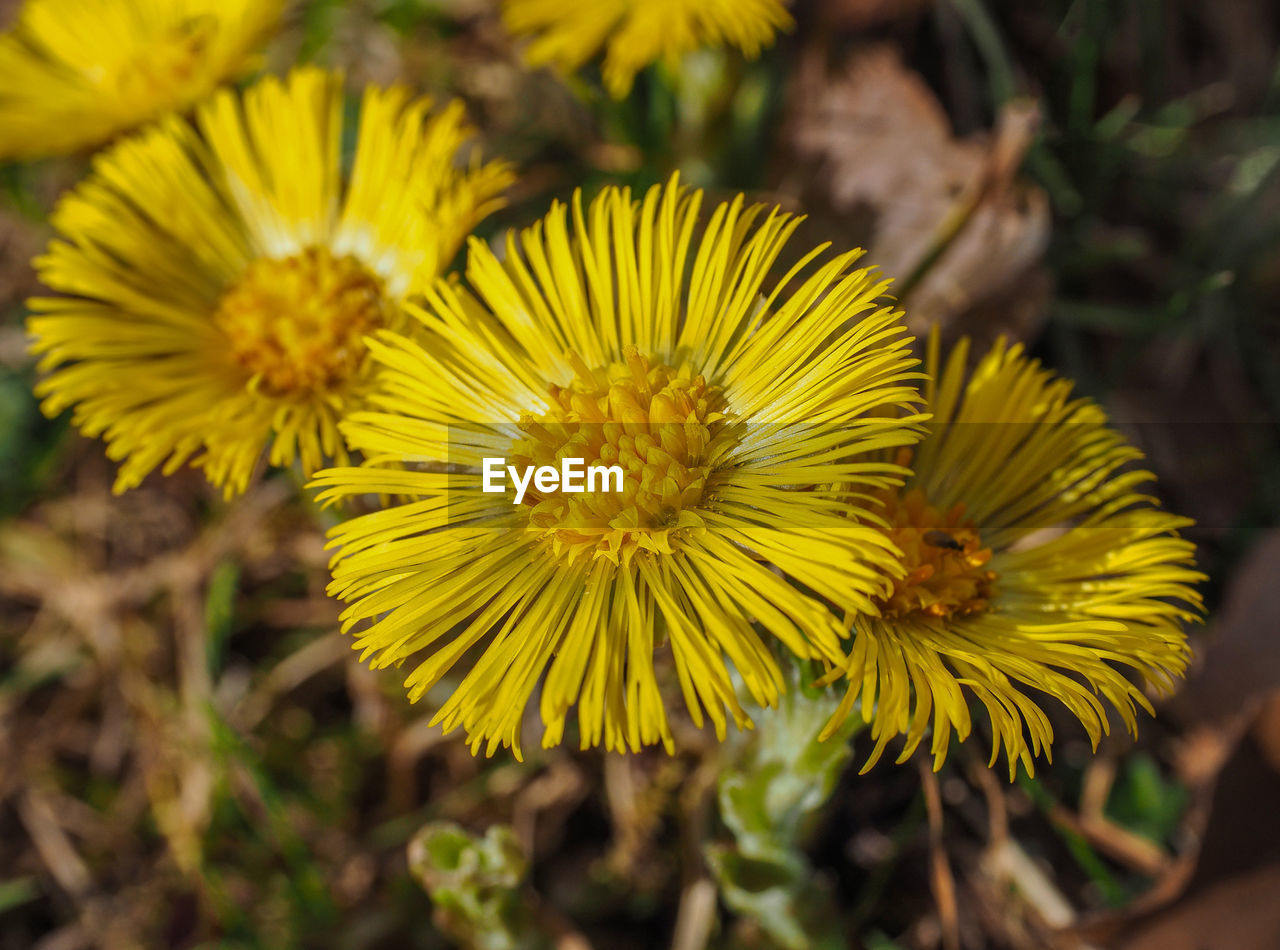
615 335
1036 567
636 33
221 278
75 73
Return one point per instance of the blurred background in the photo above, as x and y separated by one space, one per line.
191 757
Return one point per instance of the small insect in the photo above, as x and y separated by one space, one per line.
940 539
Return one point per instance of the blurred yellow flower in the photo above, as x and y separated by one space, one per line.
635 33
75 73
1036 568
220 278
615 334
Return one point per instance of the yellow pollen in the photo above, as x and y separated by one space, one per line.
664 426
944 556
296 324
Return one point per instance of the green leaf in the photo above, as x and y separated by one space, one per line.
1147 803
781 894
475 884
17 891
775 784
219 611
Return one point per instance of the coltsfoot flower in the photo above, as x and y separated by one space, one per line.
220 278
76 73
614 334
636 33
1036 569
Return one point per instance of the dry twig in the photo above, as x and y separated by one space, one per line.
941 882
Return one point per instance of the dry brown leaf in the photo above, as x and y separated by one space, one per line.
20 241
1229 759
1241 663
9 12
860 14
1224 855
1241 913
961 235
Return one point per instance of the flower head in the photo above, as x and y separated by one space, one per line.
616 335
636 33
75 73
220 278
1035 567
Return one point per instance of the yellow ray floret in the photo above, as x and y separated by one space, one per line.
635 33
1036 568
76 73
623 334
220 277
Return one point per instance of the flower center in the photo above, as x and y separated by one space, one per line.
170 63
664 426
296 324
944 556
